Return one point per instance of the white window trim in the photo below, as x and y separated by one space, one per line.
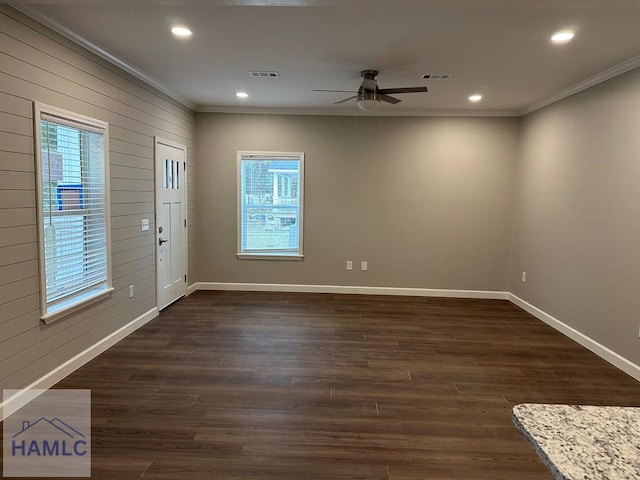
265 255
65 308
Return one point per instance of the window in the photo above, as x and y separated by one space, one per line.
270 190
73 210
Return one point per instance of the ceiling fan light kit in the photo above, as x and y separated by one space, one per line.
368 105
368 101
369 95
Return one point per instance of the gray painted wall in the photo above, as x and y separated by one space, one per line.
426 201
38 65
577 221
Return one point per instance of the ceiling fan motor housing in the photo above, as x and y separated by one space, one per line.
368 97
369 74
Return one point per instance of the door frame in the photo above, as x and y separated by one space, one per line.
185 250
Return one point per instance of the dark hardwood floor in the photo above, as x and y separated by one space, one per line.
231 385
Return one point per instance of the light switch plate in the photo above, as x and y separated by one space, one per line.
145 224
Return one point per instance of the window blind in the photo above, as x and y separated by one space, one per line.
73 212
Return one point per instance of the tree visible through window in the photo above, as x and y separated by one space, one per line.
270 200
73 210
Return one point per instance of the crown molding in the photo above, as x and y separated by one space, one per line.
355 112
594 80
608 74
92 47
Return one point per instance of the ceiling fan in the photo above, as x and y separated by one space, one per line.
369 96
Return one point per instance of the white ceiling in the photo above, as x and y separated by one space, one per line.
499 48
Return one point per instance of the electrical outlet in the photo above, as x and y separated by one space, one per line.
523 278
364 266
130 291
349 265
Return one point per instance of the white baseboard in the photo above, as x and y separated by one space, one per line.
410 292
191 289
603 352
25 395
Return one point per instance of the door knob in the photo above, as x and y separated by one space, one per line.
161 241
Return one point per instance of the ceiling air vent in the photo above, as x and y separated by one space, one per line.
264 74
435 76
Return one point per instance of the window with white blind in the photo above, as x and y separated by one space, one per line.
73 210
270 205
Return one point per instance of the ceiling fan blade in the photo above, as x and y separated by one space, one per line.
389 99
339 91
384 91
345 100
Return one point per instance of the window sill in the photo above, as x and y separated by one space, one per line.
262 256
70 307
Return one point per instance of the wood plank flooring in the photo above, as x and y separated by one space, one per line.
279 386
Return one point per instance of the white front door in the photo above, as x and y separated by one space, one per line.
171 225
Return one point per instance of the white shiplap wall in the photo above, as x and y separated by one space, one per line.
37 64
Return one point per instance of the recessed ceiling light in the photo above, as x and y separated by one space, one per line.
242 95
181 31
563 36
476 97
